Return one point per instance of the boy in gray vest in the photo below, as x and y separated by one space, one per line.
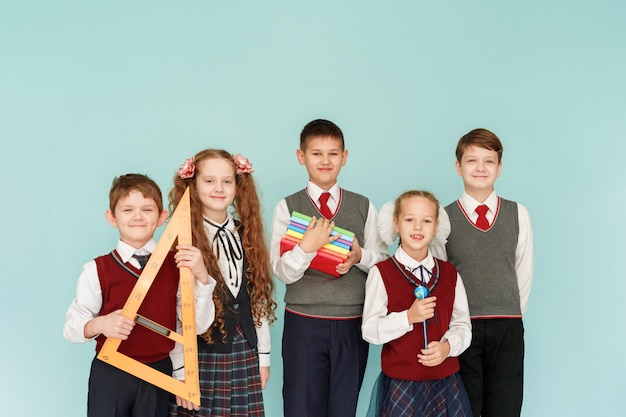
490 244
324 355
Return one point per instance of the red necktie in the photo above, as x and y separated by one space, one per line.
324 207
482 222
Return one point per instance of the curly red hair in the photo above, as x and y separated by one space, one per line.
248 211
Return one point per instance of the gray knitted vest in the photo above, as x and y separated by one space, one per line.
320 294
486 260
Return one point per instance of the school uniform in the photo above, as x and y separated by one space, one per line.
230 382
406 387
496 265
324 355
103 287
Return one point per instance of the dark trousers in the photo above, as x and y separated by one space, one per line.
116 393
323 366
492 367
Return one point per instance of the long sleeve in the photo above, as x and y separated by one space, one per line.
205 314
264 343
379 326
385 223
373 248
85 306
438 243
524 257
205 308
459 333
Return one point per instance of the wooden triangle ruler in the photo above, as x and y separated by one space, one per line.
179 226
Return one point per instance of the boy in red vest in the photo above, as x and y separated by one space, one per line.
136 210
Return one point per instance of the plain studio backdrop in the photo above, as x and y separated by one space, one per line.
90 90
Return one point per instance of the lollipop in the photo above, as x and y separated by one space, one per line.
420 292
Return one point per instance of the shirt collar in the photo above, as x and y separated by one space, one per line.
315 192
212 226
405 259
469 203
126 251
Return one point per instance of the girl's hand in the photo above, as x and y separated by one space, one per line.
317 234
265 375
436 353
181 402
191 257
421 310
354 257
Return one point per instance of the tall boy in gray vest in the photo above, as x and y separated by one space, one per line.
324 355
490 244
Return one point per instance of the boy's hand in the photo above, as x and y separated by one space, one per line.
110 325
265 375
181 402
421 310
317 234
354 257
436 353
191 257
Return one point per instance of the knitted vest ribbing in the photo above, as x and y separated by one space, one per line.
320 294
486 260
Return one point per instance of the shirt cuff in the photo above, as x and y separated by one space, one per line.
264 359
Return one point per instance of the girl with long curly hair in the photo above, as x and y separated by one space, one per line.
233 355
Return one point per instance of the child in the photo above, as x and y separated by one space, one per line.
422 335
323 352
497 266
494 254
234 354
136 209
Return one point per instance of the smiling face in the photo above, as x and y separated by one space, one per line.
136 217
216 187
323 157
416 222
479 167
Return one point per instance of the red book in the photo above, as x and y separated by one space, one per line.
323 261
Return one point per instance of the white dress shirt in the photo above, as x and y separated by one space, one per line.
290 267
231 268
380 326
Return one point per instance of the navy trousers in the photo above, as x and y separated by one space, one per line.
323 366
116 393
492 367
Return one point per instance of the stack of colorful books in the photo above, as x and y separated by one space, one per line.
329 255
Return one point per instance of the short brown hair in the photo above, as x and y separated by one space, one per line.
415 193
482 138
320 128
124 184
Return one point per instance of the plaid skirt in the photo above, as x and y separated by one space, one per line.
437 398
230 383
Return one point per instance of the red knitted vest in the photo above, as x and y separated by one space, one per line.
399 357
159 305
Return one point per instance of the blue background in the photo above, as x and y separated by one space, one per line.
90 90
